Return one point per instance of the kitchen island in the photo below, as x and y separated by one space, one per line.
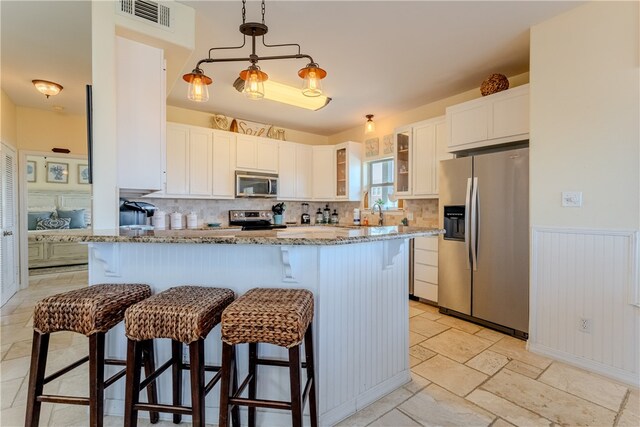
359 277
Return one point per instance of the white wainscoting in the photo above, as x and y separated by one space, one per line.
587 274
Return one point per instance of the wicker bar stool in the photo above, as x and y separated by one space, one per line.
282 317
90 311
186 315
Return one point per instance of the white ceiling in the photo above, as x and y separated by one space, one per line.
382 57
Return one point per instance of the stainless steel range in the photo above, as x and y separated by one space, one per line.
253 220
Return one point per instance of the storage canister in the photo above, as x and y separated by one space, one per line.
159 220
176 221
192 221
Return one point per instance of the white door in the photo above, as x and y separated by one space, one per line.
8 228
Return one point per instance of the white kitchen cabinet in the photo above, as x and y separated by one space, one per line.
223 185
419 149
189 161
348 171
254 153
177 160
402 160
492 120
425 268
140 116
295 171
324 172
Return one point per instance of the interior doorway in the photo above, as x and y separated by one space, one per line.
8 224
55 196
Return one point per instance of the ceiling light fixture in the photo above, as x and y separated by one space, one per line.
369 126
47 88
253 77
286 94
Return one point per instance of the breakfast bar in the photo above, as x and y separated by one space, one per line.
358 277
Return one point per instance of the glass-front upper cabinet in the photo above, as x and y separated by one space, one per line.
403 161
341 172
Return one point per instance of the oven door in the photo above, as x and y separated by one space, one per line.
249 184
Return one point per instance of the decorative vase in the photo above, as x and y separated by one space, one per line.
277 219
494 83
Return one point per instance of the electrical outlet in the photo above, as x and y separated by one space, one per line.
584 325
410 216
571 199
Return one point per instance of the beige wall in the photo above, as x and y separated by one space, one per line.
8 121
386 125
199 118
41 130
584 117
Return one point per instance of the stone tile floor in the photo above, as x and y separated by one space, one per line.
463 375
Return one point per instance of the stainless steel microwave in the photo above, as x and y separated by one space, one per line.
254 184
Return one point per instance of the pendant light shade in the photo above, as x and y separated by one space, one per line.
369 126
47 88
198 82
312 76
253 82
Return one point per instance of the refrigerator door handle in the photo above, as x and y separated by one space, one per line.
467 237
474 225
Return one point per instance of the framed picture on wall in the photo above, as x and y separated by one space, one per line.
83 174
58 172
32 167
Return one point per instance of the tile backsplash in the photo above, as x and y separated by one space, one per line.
425 212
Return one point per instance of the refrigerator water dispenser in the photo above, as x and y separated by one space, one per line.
454 223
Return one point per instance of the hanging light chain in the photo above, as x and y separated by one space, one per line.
263 10
244 11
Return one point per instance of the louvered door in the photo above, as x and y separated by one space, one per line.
8 229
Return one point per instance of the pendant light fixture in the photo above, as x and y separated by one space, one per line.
47 88
253 77
369 126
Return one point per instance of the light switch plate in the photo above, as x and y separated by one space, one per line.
571 199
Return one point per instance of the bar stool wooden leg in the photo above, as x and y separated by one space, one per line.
96 379
196 361
176 367
134 357
294 380
308 351
40 346
225 384
253 373
235 409
149 367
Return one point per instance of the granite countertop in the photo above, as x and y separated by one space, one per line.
301 235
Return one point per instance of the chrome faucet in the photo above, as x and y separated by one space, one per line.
373 211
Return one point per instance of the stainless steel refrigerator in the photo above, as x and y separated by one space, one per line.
483 257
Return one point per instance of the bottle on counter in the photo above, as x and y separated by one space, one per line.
326 215
356 216
176 221
192 220
319 216
365 221
305 218
334 217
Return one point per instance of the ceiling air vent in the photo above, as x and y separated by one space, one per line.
148 10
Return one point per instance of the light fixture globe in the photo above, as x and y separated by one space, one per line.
197 90
47 88
312 76
253 82
370 125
